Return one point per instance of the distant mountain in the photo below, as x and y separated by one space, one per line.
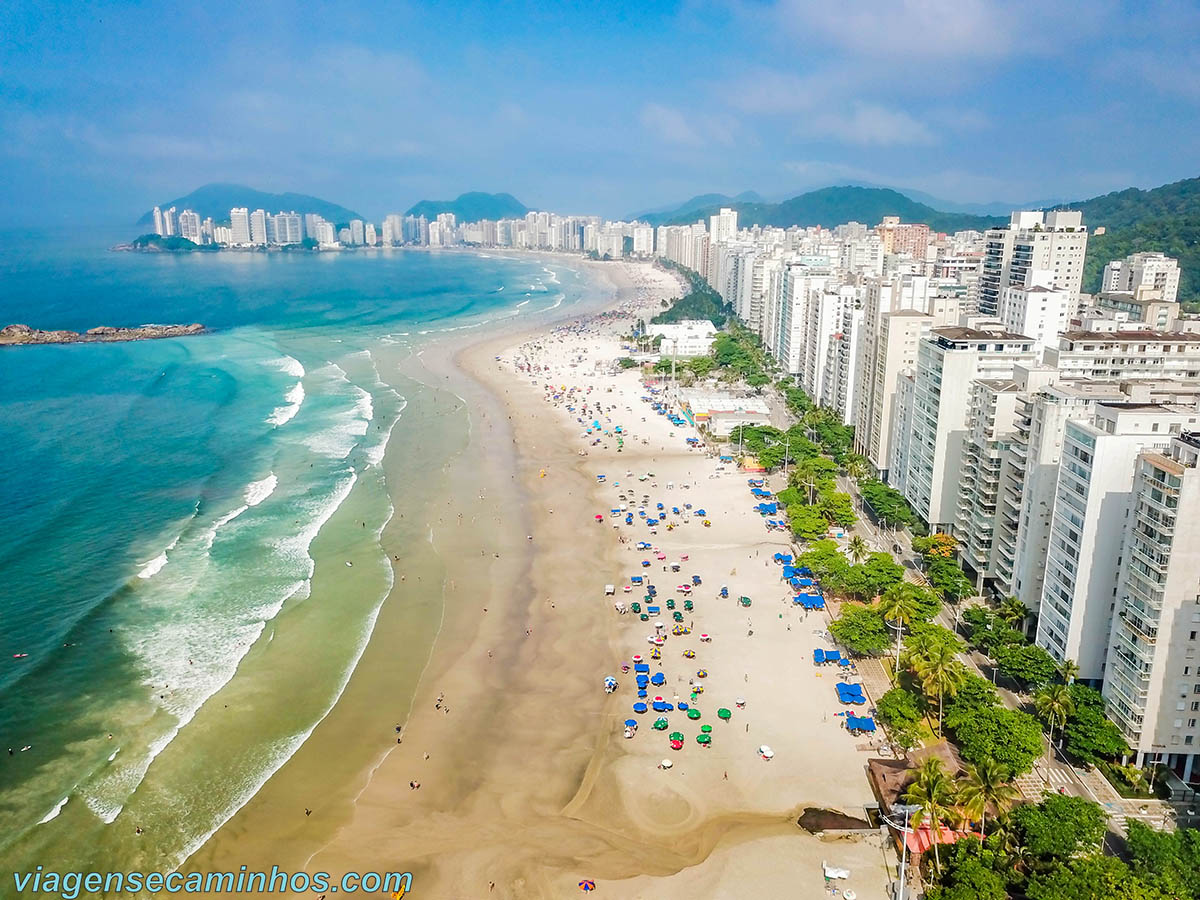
702 201
217 199
1166 218
472 207
834 205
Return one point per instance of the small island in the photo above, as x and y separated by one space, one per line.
15 335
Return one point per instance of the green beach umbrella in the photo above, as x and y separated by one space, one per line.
693 713
676 736
660 724
706 728
725 714
704 739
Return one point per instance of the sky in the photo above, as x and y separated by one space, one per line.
589 108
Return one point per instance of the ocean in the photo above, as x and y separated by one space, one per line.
165 504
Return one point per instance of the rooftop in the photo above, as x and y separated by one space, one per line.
963 333
1131 336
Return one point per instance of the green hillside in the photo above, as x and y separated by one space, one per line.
834 205
1166 219
472 207
216 200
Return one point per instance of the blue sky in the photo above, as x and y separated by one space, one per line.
607 108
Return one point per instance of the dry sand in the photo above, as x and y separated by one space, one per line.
526 782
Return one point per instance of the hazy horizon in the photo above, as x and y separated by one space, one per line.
110 109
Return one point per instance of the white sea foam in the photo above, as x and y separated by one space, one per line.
291 405
152 568
522 303
363 406
288 365
376 451
53 814
258 491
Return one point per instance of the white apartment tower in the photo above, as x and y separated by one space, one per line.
1053 242
1140 271
1151 682
239 226
947 362
258 227
1085 558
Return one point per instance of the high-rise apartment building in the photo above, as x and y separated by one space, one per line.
947 362
1054 242
900 238
1151 680
1037 309
1126 354
159 226
239 226
189 226
1085 558
358 231
1138 271
258 227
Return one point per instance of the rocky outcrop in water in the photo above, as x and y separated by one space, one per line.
14 335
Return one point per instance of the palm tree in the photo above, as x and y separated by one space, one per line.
1069 670
1054 704
986 784
898 605
940 673
1013 612
858 548
932 791
855 467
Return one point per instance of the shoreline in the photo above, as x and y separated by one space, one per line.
527 785
420 556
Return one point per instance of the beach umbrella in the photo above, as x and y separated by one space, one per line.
693 713
725 714
666 764
640 708
676 735
740 702
706 729
661 724
704 738
683 705
631 723
659 678
637 657
676 745
767 752
702 673
689 654
587 885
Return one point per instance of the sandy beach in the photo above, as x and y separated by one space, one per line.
527 784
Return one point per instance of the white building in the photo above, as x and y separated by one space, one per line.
239 226
1091 505
947 362
1053 242
1037 309
189 226
258 227
1126 354
1155 271
1151 681
691 337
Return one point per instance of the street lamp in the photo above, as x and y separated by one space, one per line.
908 809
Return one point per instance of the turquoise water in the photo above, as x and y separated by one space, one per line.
162 498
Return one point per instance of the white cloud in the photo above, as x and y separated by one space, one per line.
672 126
869 124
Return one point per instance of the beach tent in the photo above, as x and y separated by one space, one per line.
860 723
832 655
642 681
704 738
851 694
641 667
